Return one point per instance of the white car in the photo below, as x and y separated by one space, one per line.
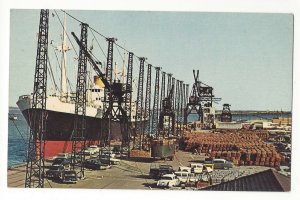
63 155
110 161
197 168
186 177
94 149
91 150
194 178
87 151
182 176
168 180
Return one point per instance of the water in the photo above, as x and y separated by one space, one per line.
248 117
17 139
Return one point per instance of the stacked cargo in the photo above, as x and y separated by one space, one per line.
242 147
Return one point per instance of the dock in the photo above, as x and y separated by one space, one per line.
132 174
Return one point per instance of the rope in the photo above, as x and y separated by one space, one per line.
51 74
18 129
98 42
66 34
123 48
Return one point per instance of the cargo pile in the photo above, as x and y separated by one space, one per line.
242 147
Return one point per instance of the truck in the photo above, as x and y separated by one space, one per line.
157 172
163 149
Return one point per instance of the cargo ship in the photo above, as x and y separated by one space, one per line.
60 108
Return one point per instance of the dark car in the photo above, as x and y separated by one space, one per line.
55 171
62 161
158 172
94 164
68 176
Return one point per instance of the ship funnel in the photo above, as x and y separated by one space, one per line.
97 81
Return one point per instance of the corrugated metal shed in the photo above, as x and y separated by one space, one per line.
268 180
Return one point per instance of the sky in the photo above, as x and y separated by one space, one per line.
246 57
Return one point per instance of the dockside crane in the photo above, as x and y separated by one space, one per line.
226 115
167 126
164 144
194 104
116 92
36 144
200 102
79 133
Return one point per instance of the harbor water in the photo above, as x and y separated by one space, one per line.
17 137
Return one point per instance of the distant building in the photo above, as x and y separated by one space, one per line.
282 121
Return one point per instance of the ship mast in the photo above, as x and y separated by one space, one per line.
123 70
64 48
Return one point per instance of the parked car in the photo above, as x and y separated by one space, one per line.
108 153
66 162
197 168
109 161
55 171
185 169
95 164
168 180
222 164
68 176
157 172
90 150
63 155
193 178
183 176
94 149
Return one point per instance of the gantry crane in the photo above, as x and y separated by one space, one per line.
116 95
226 115
167 125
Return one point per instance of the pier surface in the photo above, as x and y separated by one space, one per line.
130 174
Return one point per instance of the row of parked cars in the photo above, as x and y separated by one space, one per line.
114 151
168 177
60 170
100 159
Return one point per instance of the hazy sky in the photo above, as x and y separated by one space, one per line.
247 58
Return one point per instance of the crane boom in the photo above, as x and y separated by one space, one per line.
94 65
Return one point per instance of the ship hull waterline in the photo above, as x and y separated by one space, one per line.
59 128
